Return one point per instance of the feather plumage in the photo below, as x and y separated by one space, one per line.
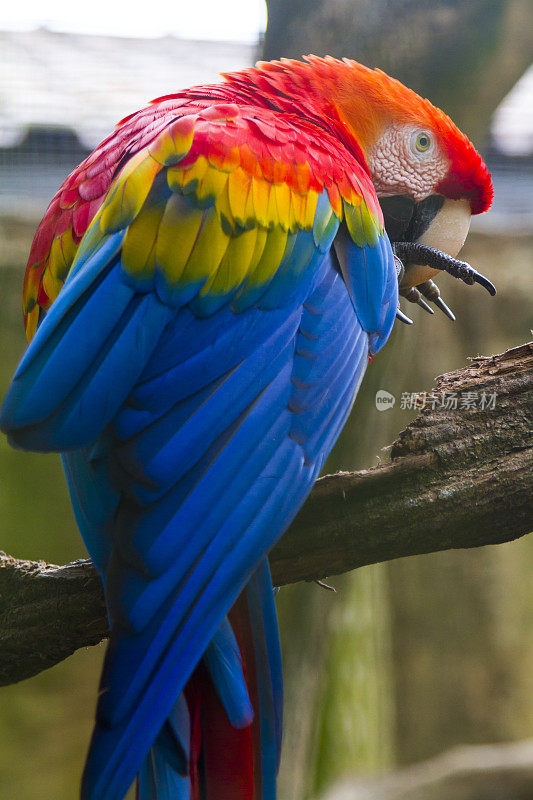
202 297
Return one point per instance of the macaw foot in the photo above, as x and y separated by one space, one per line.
431 291
436 259
410 252
414 296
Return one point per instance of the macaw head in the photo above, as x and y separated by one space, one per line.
428 176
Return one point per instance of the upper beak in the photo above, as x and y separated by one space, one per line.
435 222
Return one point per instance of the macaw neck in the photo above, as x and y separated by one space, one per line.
299 89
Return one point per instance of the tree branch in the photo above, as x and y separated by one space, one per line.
457 477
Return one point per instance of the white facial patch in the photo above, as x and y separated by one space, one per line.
447 231
449 228
407 160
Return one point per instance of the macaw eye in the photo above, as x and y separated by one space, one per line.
422 142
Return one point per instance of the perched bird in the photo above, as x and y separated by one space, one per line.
202 298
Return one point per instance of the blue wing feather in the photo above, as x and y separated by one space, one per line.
370 276
209 434
85 357
225 542
269 677
164 773
224 663
94 498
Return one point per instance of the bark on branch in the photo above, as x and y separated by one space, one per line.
457 477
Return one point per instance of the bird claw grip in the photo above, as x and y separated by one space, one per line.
411 252
436 259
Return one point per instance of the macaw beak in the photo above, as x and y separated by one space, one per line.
436 222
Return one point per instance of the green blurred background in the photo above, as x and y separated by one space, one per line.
408 658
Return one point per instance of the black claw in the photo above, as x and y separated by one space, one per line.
439 302
431 292
488 285
422 303
414 296
403 317
413 252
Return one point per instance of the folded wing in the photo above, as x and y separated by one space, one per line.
197 367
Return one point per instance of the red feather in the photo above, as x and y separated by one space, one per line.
318 113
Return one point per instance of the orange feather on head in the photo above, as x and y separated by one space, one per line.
386 96
363 102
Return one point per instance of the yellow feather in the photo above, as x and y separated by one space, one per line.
194 175
69 248
31 323
31 291
270 257
260 195
174 142
234 266
310 209
62 254
293 213
56 262
223 208
176 237
250 219
260 242
298 208
355 223
272 209
370 229
51 284
211 185
238 191
283 202
178 178
140 241
129 192
208 249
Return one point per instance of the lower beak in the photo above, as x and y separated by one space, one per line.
435 222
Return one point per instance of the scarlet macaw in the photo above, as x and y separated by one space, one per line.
202 298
